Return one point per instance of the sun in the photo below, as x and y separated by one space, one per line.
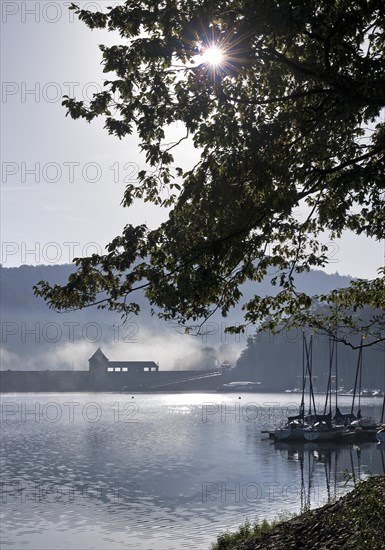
213 55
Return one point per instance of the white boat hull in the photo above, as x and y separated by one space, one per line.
323 435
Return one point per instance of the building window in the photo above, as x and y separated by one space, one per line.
118 369
124 369
110 369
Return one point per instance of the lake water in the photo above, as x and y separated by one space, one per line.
105 471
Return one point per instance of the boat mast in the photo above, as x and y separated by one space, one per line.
383 401
336 345
329 386
302 406
309 375
360 379
309 357
356 379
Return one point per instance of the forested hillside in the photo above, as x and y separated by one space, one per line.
36 337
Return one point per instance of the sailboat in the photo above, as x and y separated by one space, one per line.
381 432
293 429
315 427
343 427
325 428
305 427
362 426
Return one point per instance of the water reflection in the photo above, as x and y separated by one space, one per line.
331 464
195 463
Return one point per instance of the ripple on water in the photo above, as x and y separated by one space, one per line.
168 481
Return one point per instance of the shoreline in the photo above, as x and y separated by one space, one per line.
355 520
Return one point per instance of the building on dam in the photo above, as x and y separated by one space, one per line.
105 375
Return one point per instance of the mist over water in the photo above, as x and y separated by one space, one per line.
111 471
28 344
35 337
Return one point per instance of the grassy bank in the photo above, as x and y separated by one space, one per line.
356 520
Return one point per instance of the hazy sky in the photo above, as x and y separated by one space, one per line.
63 180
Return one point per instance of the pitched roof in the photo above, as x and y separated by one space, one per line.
99 355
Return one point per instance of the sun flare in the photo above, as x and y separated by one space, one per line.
213 55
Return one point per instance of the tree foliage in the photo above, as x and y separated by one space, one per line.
291 144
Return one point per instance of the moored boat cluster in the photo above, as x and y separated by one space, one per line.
324 428
340 428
